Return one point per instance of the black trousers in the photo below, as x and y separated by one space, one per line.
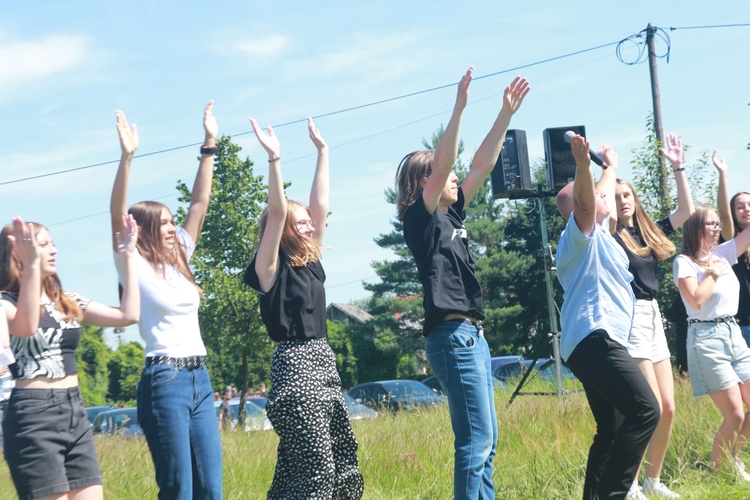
625 409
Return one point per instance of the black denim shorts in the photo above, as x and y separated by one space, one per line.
49 444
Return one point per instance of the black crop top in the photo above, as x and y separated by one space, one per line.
295 306
51 351
645 283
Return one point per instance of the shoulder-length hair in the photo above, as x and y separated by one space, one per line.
147 215
655 240
736 224
11 271
694 243
300 249
413 168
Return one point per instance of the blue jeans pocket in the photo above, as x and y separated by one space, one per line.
163 375
463 341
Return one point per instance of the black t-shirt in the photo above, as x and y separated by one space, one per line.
295 306
440 246
743 276
645 283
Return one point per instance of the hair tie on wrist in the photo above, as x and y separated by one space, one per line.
274 159
678 169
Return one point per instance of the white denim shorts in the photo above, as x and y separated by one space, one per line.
718 356
647 339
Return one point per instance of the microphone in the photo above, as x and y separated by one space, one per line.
592 154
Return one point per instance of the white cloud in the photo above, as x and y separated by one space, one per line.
264 47
26 61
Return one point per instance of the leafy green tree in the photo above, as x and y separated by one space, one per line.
343 348
230 321
92 356
124 367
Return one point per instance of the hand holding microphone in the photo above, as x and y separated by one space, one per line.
592 154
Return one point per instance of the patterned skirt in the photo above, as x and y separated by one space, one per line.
317 455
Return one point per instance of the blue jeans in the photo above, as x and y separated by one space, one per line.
460 358
177 415
746 334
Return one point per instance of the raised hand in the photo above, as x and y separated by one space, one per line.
609 155
209 122
514 94
268 140
23 241
719 163
579 146
462 96
126 241
128 134
673 152
315 136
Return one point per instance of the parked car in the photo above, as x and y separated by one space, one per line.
396 395
255 418
544 366
258 401
497 361
120 421
433 383
358 411
93 411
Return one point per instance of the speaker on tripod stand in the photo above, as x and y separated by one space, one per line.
561 166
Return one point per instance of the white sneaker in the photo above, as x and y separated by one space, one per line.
739 469
635 493
653 487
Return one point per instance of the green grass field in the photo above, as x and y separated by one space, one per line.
541 454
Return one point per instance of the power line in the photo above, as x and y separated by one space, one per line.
709 26
323 115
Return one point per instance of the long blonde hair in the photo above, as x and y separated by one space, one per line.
147 215
656 242
413 168
300 249
11 272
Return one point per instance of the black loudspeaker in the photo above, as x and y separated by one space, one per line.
561 166
511 173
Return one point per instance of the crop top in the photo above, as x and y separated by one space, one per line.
51 351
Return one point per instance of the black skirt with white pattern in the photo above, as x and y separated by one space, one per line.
317 455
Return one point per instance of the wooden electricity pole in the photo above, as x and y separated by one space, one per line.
658 129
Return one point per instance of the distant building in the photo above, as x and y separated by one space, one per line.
347 313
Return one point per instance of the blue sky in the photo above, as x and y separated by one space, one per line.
66 66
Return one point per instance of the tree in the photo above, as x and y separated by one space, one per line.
92 356
229 313
124 367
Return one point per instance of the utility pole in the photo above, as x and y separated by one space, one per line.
655 98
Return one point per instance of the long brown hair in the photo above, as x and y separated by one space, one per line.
655 240
11 272
693 231
300 249
413 168
736 224
147 215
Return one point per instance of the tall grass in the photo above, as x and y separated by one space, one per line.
541 454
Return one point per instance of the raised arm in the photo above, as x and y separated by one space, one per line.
201 193
98 314
23 317
584 195
722 198
118 202
608 182
267 260
446 152
685 208
319 194
486 156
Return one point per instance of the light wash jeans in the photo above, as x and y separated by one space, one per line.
176 412
460 358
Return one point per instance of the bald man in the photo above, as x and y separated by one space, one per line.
596 318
